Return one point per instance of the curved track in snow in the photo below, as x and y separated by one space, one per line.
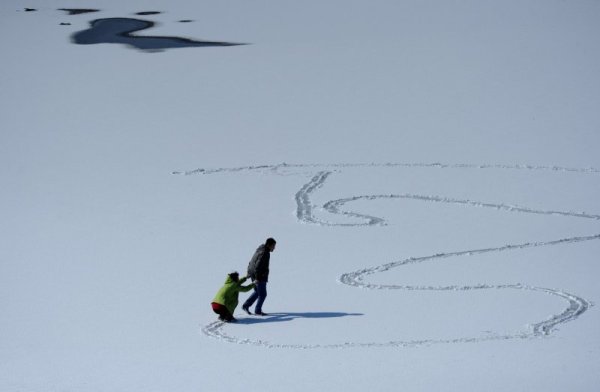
305 213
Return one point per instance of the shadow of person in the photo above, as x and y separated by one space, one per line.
289 316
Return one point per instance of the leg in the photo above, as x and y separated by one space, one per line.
222 311
261 289
251 299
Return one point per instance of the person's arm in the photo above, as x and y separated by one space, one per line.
243 289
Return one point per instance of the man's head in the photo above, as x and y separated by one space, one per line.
270 244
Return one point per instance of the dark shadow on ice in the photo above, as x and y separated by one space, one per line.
120 31
279 317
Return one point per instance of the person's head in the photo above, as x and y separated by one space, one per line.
235 276
270 244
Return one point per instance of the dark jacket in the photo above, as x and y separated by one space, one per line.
258 267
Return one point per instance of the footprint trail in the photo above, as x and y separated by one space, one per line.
306 213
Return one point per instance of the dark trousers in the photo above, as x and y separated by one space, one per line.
260 293
222 311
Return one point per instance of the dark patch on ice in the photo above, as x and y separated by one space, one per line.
30 9
186 21
148 13
78 11
120 31
65 24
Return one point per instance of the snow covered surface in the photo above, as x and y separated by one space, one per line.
430 170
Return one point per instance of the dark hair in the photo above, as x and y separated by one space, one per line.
235 276
270 241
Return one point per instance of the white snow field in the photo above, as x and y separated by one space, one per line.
430 170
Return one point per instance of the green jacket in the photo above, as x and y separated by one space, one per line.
228 294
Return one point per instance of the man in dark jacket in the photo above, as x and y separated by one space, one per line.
258 271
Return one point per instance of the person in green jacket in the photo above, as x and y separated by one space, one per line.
226 299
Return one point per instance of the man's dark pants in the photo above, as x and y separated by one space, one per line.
260 293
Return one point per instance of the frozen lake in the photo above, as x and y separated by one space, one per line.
430 171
